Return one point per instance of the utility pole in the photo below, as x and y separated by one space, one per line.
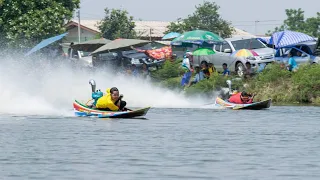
255 27
150 34
79 30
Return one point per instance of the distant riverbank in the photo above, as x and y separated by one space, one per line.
282 86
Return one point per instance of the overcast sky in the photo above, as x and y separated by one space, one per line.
242 13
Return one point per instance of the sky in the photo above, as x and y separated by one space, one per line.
241 13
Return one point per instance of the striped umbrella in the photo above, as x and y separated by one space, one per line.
244 53
286 38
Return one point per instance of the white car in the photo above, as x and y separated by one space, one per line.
237 64
80 58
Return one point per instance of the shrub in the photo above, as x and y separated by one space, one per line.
169 70
307 80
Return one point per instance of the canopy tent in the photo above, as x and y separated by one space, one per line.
120 45
287 38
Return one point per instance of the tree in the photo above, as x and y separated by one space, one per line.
296 22
24 23
206 17
117 24
313 26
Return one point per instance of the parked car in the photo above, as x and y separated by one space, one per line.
124 59
138 58
307 54
237 64
80 58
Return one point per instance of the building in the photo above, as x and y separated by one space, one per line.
149 30
88 31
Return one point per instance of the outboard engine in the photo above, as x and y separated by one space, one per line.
96 94
229 85
93 85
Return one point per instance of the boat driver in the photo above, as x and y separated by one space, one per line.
241 98
111 101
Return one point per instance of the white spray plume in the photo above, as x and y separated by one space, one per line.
49 87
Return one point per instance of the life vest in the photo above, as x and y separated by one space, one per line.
106 102
236 99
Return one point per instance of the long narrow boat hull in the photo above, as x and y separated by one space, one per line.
82 110
253 106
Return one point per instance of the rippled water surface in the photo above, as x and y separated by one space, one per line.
279 143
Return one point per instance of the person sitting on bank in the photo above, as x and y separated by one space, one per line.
199 76
241 98
205 69
292 64
111 101
226 71
212 69
249 72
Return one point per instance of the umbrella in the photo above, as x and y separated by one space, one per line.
286 38
120 45
91 45
203 52
171 35
45 43
245 53
198 37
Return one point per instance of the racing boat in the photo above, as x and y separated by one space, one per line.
85 110
82 110
253 106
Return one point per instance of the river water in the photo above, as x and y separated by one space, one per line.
282 142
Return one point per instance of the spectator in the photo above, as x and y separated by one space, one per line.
186 66
212 69
292 64
69 50
226 71
249 70
145 71
205 69
198 77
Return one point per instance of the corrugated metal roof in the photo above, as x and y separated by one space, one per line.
238 32
92 24
157 28
142 27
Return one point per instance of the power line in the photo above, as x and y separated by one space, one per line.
255 25
260 21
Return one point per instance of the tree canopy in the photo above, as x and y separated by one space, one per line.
26 22
296 22
117 24
205 17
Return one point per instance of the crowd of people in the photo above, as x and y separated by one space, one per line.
205 70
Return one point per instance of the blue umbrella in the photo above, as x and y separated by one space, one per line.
286 38
45 43
171 35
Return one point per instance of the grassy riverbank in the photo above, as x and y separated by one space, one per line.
282 86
